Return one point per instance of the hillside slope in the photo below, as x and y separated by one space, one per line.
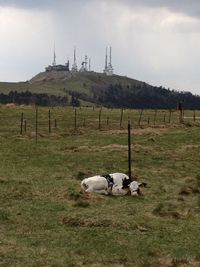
97 88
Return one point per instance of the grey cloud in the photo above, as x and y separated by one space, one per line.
29 4
189 7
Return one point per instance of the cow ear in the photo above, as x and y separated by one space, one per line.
142 184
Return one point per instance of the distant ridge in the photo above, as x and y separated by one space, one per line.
92 88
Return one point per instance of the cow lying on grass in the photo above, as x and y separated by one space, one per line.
117 184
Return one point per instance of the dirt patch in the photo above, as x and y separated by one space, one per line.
139 131
190 147
111 147
169 209
97 222
190 186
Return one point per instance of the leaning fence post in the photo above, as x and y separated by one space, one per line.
22 119
129 149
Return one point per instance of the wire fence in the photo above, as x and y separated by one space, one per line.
43 122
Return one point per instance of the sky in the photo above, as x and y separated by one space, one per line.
154 41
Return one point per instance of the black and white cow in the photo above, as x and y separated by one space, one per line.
114 184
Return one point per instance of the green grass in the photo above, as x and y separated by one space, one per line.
45 219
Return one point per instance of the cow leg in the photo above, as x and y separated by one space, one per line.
101 192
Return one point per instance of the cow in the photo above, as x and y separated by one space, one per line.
116 184
97 184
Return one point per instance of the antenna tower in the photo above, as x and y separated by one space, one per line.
54 57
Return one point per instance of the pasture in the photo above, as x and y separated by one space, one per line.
45 219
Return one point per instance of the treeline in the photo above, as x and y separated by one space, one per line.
138 96
143 96
28 98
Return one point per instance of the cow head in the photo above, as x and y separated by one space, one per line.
134 187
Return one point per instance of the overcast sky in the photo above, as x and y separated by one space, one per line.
155 41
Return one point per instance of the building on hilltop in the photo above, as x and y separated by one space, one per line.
108 70
55 67
85 65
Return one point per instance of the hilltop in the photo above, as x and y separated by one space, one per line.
91 88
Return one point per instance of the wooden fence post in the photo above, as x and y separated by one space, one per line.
49 121
100 118
148 121
55 123
129 149
164 118
36 125
140 117
194 116
155 116
25 126
170 115
121 118
75 121
21 126
107 122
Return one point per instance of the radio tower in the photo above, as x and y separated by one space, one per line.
106 61
74 66
54 57
108 66
89 64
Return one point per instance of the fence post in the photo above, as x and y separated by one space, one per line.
107 122
25 126
36 125
75 122
164 118
22 119
155 115
148 121
49 121
121 118
55 123
84 122
129 149
140 117
100 118
170 114
194 116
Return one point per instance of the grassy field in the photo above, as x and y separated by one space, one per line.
45 219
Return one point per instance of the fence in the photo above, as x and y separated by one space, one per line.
45 121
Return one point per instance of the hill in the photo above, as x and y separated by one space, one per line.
91 88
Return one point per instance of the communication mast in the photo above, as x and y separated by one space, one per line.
74 65
89 64
54 57
108 65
